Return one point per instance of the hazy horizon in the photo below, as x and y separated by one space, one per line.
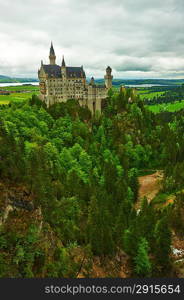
100 78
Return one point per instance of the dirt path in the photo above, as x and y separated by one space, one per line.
149 186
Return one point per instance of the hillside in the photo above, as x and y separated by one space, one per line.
116 82
70 190
7 79
166 82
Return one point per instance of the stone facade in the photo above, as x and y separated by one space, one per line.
60 83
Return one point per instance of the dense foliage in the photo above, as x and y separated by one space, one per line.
81 173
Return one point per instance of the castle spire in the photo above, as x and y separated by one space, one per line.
52 49
52 56
63 62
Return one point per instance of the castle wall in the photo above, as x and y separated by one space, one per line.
57 91
54 91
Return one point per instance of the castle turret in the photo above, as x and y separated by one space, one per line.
64 78
52 56
108 78
63 68
92 81
63 62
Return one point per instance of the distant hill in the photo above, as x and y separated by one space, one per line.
118 82
7 79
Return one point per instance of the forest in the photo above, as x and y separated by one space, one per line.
69 188
169 96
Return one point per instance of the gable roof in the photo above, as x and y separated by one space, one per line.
75 72
71 72
52 70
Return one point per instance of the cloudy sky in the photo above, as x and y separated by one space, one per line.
137 38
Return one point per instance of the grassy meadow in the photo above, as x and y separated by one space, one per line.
20 93
21 88
146 94
171 107
157 108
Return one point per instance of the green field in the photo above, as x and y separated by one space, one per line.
26 92
4 102
171 107
143 92
146 94
21 88
15 97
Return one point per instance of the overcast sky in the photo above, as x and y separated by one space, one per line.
137 38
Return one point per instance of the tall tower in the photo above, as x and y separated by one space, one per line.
63 68
64 79
52 56
92 81
108 78
63 62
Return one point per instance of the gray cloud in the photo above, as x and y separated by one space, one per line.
137 38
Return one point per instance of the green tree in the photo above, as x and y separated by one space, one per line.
162 243
99 230
142 262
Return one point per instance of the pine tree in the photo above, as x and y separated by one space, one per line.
130 240
142 261
162 249
99 229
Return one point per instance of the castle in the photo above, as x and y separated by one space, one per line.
60 83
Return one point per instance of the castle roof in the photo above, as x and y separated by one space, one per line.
101 86
71 72
52 70
109 68
97 86
75 72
